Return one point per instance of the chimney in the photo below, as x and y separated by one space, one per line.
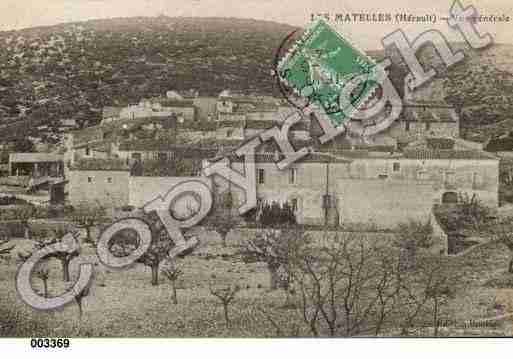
276 155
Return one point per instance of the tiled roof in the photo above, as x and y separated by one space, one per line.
500 144
424 103
167 168
429 114
35 157
176 103
88 134
362 154
103 146
229 123
99 145
111 111
216 143
313 157
440 143
429 154
136 122
262 124
184 151
97 164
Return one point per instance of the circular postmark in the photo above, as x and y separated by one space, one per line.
317 70
319 85
288 92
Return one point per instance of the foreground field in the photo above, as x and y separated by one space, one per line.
125 304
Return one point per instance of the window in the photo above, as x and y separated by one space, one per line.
396 167
109 180
383 176
294 204
450 179
229 133
292 176
162 156
428 125
407 126
326 201
450 197
88 151
89 179
261 176
476 180
422 175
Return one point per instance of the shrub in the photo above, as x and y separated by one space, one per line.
411 236
13 228
11 200
276 214
417 232
468 213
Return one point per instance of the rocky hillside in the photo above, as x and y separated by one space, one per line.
480 87
64 69
73 70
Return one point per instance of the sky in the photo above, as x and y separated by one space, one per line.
17 14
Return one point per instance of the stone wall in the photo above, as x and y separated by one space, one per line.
385 203
146 189
383 191
108 188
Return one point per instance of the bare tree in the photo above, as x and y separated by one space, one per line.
4 239
309 291
24 214
351 285
279 327
438 290
348 287
226 295
43 273
159 249
172 272
79 300
503 234
411 236
222 220
126 241
424 292
88 215
279 249
387 287
64 257
223 223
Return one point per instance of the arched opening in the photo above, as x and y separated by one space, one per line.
450 197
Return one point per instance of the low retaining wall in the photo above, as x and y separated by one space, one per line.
440 238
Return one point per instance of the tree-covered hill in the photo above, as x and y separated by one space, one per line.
61 70
73 70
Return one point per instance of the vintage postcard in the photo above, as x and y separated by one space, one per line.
255 169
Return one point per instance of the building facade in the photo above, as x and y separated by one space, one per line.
381 188
102 182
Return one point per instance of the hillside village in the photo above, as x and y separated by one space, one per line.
395 176
100 119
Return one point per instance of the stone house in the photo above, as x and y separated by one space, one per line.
110 184
99 181
150 150
417 121
349 186
36 164
385 188
421 120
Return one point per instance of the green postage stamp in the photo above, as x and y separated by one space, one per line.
320 64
